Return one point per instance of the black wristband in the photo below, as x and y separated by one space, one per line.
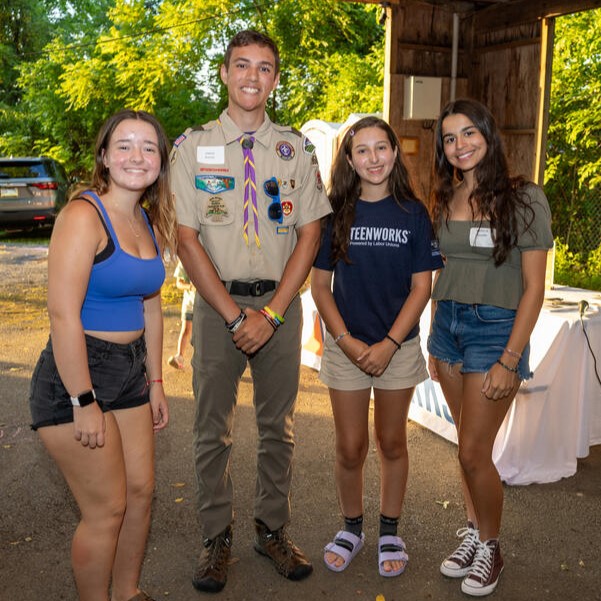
398 344
505 366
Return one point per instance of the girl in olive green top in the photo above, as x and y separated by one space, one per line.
494 232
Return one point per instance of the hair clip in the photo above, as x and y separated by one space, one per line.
351 132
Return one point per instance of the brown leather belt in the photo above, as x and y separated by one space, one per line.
256 288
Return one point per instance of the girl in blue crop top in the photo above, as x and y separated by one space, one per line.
96 393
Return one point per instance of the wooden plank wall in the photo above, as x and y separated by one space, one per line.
506 77
499 67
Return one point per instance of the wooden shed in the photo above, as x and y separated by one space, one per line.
497 51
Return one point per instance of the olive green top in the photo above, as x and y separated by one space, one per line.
470 275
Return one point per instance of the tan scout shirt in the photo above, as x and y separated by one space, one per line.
207 178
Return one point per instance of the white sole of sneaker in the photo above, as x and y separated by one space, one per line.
480 591
453 572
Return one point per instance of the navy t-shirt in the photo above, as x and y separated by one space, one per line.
388 244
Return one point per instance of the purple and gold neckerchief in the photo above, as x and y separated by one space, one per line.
250 186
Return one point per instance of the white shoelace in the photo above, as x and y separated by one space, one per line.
468 544
482 565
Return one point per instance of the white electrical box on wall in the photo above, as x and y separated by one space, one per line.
422 97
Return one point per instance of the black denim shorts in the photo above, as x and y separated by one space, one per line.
118 373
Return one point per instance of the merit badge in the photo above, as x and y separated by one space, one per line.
314 160
214 184
287 207
285 150
216 210
308 146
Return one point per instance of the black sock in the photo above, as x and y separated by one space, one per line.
388 526
354 525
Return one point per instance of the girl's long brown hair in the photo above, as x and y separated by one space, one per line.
157 198
345 185
496 196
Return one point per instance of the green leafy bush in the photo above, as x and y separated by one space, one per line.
578 269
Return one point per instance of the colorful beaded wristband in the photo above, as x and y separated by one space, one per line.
340 336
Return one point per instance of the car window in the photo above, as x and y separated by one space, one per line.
22 170
31 169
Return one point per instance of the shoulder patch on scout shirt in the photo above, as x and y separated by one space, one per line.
214 184
284 150
179 140
308 146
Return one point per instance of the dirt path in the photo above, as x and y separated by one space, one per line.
551 533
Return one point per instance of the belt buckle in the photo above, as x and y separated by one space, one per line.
256 288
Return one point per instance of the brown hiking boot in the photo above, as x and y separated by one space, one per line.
287 558
211 573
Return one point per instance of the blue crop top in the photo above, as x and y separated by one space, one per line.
119 283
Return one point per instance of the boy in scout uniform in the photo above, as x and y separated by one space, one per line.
249 200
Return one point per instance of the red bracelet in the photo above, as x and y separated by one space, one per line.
157 381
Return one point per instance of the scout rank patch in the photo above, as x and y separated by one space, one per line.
216 210
285 150
287 207
214 184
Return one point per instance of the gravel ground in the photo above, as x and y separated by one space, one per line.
551 532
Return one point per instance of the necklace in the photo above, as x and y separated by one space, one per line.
133 227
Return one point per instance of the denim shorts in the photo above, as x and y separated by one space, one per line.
473 335
118 373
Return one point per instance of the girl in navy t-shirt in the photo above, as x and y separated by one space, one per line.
378 249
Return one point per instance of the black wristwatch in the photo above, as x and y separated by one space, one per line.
83 399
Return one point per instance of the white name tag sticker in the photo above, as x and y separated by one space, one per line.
481 237
210 155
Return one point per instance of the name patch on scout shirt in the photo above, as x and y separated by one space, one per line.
214 184
210 155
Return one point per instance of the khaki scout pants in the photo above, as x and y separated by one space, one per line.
218 366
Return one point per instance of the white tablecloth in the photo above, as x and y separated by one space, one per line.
556 416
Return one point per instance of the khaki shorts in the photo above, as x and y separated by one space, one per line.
406 369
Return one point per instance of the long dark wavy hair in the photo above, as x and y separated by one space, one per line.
345 185
496 197
157 198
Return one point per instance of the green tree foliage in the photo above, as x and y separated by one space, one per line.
573 175
77 61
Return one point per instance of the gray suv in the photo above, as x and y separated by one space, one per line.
32 191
